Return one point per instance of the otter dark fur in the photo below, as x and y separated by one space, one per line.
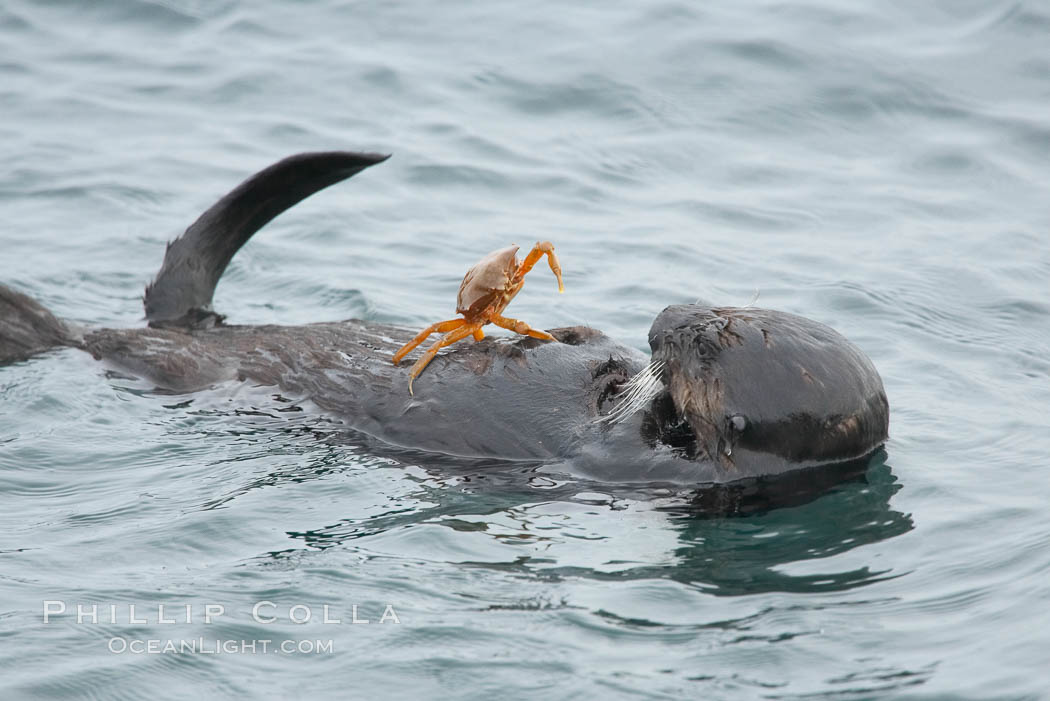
744 393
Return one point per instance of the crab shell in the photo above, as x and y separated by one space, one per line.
487 280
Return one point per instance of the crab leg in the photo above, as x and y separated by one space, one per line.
534 255
439 327
446 340
521 327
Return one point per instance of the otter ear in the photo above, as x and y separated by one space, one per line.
182 292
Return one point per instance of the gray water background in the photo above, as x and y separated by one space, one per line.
883 167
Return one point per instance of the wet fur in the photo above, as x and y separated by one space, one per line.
732 394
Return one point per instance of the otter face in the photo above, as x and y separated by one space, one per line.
753 384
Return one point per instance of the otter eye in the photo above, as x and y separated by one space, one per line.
738 422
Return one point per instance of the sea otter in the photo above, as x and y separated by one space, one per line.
728 393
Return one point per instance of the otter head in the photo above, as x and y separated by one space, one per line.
743 386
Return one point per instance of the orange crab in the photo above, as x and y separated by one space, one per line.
485 292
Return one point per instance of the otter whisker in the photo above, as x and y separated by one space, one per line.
636 394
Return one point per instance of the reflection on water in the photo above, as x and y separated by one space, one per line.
729 540
811 515
746 556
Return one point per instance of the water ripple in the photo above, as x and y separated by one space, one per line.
878 167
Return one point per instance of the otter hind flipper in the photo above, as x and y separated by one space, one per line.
182 292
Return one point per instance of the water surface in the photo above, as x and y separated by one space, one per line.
878 166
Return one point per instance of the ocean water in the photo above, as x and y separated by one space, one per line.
880 166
